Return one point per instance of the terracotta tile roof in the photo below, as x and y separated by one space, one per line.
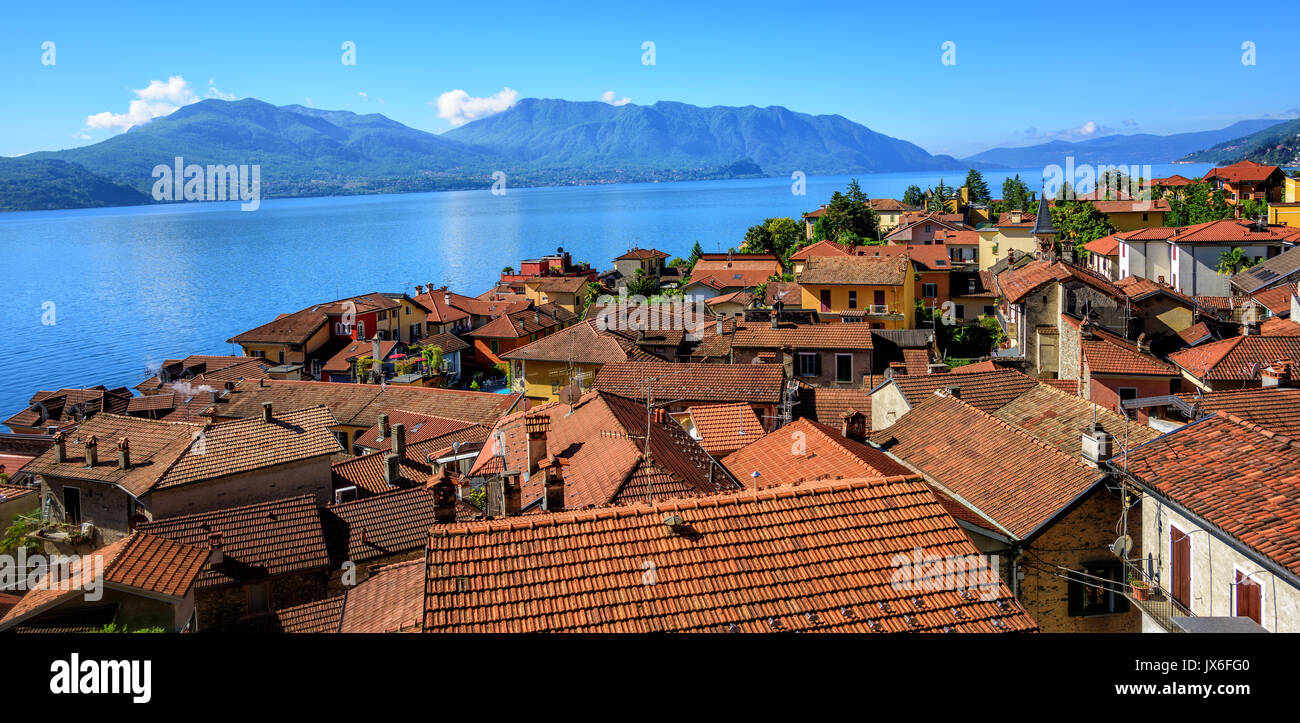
1225 231
1011 477
1005 220
821 248
988 365
1069 386
250 444
854 270
888 204
986 391
152 403
417 427
200 364
155 448
64 407
359 405
9 493
1157 206
390 600
843 337
1196 333
366 471
928 257
744 298
1059 418
1236 358
1104 356
787 292
445 307
752 383
1234 476
558 284
794 558
1016 284
1279 327
381 526
1277 299
828 406
342 361
1137 288
725 428
139 562
299 326
582 343
804 451
639 254
318 616
602 437
1244 170
449 343
917 361
1273 408
1105 246
259 540
1171 181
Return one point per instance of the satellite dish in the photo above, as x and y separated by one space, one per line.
1122 546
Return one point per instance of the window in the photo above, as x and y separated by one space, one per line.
810 365
959 310
257 353
825 296
258 598
495 346
1249 597
930 290
879 298
970 285
71 505
1145 216
844 367
1126 393
1098 591
342 438
988 310
853 299
282 356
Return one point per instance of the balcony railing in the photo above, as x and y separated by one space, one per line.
1159 605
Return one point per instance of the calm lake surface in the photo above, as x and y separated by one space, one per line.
133 286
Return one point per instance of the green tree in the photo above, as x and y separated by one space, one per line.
643 284
15 536
1079 223
851 212
1015 194
1234 260
697 251
939 198
976 188
914 196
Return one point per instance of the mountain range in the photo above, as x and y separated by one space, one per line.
1133 149
1275 145
304 151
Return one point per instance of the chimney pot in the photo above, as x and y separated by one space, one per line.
554 485
266 411
214 395
718 319
392 474
444 497
123 453
218 554
92 451
399 439
511 493
60 447
383 426
1097 444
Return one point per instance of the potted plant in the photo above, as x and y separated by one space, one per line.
1141 589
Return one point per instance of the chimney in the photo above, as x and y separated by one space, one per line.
718 320
537 318
374 350
92 451
510 493
266 411
554 486
1097 444
392 474
1250 318
444 497
776 318
399 439
214 395
60 447
954 392
537 427
1143 343
419 289
383 426
1015 217
218 554
1277 374
123 453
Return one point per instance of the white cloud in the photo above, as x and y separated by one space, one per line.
458 107
214 93
363 95
612 98
156 99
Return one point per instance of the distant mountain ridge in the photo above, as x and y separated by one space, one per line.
306 151
1277 145
1138 148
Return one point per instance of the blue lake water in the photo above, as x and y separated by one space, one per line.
133 286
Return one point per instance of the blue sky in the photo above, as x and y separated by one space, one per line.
1022 74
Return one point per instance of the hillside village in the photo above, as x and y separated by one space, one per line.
939 413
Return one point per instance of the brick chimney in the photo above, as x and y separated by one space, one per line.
218 554
92 451
538 428
123 453
554 485
1277 374
383 426
511 493
392 473
266 411
775 318
445 496
419 289
1097 444
399 439
60 447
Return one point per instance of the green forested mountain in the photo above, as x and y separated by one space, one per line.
1277 145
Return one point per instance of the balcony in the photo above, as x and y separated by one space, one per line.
1160 607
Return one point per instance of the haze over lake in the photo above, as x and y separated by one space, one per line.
133 286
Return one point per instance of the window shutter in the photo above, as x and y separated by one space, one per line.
817 364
